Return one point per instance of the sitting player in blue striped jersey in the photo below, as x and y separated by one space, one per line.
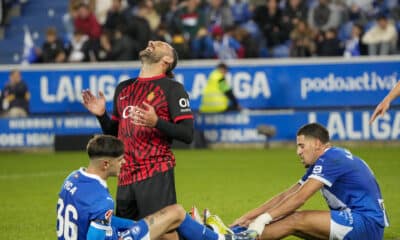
85 207
346 182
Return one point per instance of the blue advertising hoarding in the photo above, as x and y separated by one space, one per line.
256 84
218 128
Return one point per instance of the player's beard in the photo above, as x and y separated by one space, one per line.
149 57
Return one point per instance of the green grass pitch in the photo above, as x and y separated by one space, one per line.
228 182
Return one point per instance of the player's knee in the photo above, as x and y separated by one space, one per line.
296 220
179 212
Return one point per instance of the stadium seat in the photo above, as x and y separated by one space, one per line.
37 15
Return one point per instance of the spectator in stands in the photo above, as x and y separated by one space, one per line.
329 44
103 53
86 22
100 10
324 16
115 46
381 7
269 20
225 46
203 45
381 38
189 19
69 18
73 4
356 13
146 10
218 96
116 17
302 40
353 46
250 45
218 14
364 5
293 11
53 48
78 50
15 96
139 31
241 12
181 45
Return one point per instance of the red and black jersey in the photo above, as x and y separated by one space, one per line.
147 150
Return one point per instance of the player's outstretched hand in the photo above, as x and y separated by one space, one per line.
145 117
380 109
95 105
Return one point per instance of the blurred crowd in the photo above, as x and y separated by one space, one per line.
116 30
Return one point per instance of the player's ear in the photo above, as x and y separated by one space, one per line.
167 59
106 163
318 144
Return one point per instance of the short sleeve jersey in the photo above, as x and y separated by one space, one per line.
84 200
348 184
147 150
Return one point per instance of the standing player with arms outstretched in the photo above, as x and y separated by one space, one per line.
149 112
348 185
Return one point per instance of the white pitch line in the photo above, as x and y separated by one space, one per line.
31 175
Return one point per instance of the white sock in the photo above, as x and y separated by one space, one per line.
221 237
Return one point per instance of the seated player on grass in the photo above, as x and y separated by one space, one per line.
85 207
348 185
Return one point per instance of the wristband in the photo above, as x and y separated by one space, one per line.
259 223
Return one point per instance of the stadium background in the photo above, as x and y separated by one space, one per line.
340 93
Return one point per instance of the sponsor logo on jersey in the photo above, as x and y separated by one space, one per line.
127 111
150 96
184 103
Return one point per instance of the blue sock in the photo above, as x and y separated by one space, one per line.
192 230
138 231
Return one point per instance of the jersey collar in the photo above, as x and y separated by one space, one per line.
152 78
327 149
82 170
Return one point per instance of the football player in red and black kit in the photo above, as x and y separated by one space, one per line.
149 112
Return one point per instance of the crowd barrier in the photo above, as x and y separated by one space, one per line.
219 128
336 92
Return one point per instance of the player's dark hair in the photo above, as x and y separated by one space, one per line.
222 66
314 130
172 66
105 146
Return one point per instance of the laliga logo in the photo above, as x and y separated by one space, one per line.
127 111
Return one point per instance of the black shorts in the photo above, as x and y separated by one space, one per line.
138 200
